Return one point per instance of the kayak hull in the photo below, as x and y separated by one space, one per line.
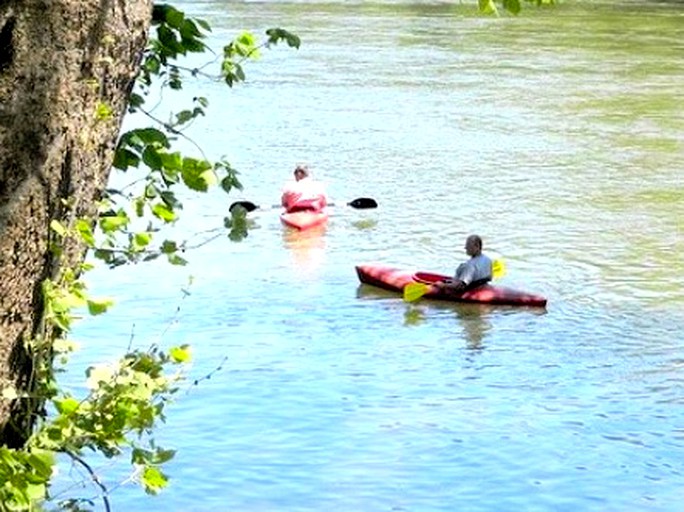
394 279
304 219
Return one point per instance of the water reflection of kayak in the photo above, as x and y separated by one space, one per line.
304 219
395 279
308 250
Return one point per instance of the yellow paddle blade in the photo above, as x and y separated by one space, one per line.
414 291
498 268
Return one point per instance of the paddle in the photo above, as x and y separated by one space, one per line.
360 203
247 205
414 291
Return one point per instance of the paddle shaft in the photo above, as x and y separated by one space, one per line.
359 203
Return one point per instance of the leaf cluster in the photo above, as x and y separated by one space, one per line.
25 475
125 403
155 202
127 400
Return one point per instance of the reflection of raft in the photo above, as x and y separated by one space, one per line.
304 219
395 279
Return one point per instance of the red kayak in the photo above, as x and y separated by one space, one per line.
304 219
395 279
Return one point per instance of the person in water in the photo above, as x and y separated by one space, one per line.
304 193
472 273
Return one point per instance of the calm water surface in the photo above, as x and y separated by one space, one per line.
559 137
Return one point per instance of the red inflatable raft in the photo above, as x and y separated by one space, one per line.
395 279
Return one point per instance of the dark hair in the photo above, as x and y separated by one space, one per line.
476 239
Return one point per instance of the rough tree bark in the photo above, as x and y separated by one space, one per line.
59 60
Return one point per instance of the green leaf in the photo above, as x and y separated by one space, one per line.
239 73
487 7
99 306
142 239
204 25
163 456
152 65
42 461
36 492
112 223
228 52
151 191
169 42
230 180
139 206
170 176
125 158
135 101
180 354
170 200
174 259
58 228
67 405
68 300
163 212
228 73
159 13
140 456
152 158
104 255
151 136
278 34
169 246
183 117
195 175
512 6
175 82
103 112
171 162
245 46
189 31
227 184
85 230
174 17
153 480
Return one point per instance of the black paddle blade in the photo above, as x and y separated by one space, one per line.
247 205
363 202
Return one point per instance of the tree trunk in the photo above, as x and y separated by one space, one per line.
59 61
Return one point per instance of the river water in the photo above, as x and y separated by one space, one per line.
558 136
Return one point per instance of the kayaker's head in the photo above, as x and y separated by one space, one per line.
301 172
473 245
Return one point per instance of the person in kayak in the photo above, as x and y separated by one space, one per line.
472 273
304 193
